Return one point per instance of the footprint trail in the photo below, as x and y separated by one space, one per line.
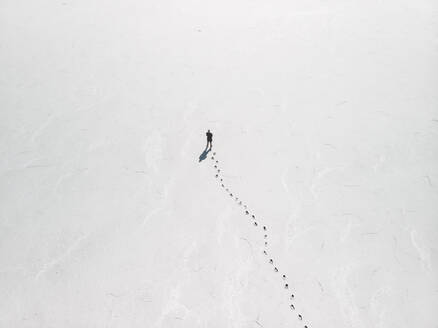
264 228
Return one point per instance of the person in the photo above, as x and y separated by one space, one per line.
209 139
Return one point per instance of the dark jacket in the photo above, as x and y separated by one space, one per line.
209 136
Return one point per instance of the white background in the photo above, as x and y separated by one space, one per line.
325 122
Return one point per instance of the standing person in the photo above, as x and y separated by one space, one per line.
209 139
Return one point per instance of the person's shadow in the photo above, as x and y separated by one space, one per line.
204 154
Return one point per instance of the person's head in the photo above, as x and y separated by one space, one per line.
208 130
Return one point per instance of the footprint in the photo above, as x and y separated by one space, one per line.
264 228
222 179
253 216
292 307
216 175
275 269
264 252
255 223
284 276
246 212
292 296
300 317
214 153
266 243
266 236
286 286
271 261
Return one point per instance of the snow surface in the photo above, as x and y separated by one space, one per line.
325 123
